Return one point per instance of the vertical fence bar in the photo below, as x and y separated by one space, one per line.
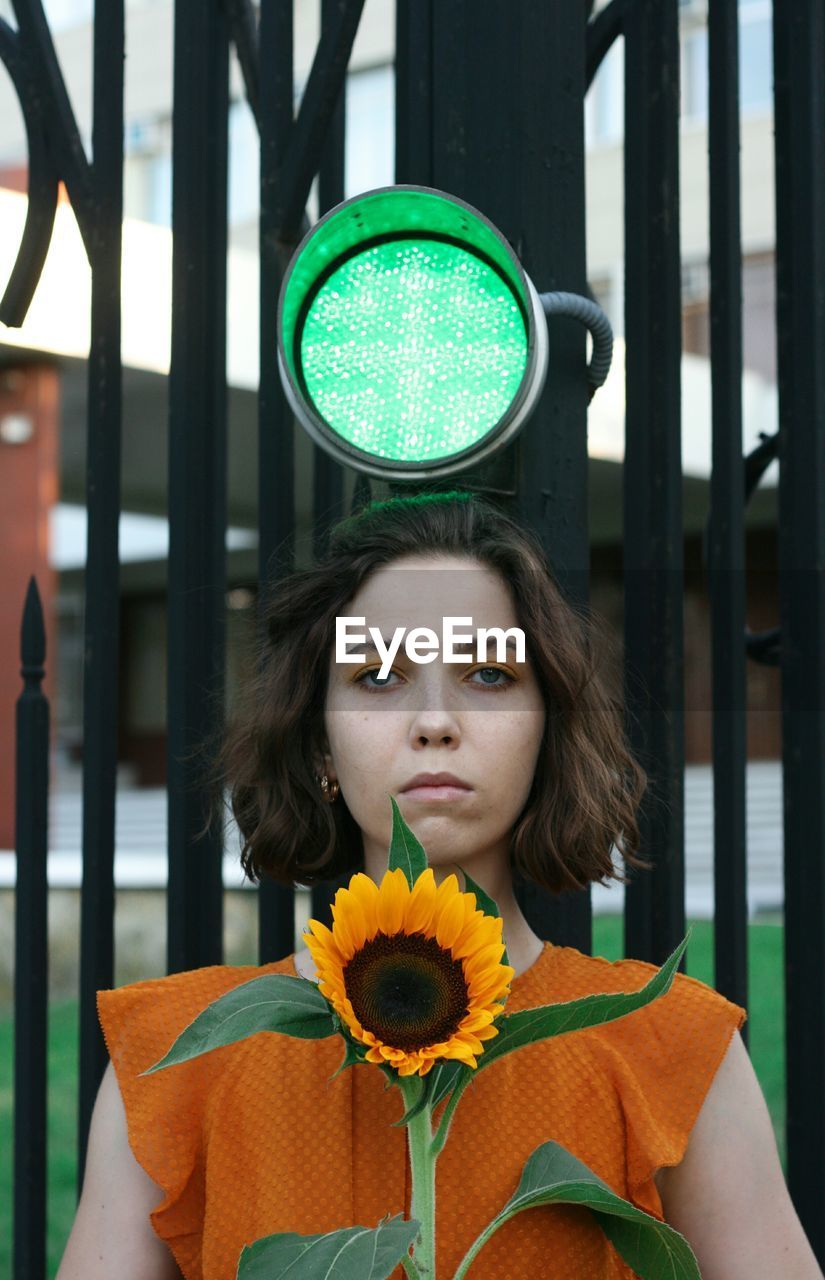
31 949
197 472
726 541
551 455
508 139
414 91
652 476
102 608
328 475
799 88
276 450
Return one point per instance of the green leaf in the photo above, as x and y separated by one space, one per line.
483 902
553 1175
275 1002
446 1075
352 1253
352 1057
531 1025
405 850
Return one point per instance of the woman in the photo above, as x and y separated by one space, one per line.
256 1138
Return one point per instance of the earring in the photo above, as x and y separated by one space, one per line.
330 790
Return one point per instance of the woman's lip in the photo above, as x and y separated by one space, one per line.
444 791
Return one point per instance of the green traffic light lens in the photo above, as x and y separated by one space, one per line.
413 349
407 333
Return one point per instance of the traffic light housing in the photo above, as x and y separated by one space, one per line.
411 343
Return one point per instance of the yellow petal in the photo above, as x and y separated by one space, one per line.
475 1021
342 930
421 905
448 888
450 922
365 892
393 897
482 963
471 1042
486 987
468 928
462 1053
321 932
349 921
480 931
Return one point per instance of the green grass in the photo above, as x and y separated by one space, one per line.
765 1023
61 1135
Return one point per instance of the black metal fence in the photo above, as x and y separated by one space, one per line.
489 106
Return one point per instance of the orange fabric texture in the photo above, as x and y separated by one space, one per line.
253 1138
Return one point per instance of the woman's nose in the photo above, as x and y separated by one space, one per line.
434 707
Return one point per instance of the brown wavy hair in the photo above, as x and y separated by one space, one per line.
587 785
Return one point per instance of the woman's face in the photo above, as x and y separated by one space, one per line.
481 721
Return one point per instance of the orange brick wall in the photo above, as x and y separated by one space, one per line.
29 484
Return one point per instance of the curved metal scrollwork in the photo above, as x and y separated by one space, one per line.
55 151
243 27
37 231
602 31
760 646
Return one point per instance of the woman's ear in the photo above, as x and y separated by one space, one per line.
322 760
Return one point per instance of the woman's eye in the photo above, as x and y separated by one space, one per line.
374 671
365 679
505 684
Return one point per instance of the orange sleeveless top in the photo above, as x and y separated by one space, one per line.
253 1138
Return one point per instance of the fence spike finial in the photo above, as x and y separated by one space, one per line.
32 637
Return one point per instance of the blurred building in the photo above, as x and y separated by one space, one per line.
43 374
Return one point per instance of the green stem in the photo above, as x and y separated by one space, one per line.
410 1267
447 1115
477 1245
422 1167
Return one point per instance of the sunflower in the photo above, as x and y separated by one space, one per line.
414 974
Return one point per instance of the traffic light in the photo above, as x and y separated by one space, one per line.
411 343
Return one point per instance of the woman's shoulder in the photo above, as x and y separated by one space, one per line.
660 1059
674 1041
140 1016
213 975
191 985
581 974
691 1021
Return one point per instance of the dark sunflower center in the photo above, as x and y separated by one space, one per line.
407 990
